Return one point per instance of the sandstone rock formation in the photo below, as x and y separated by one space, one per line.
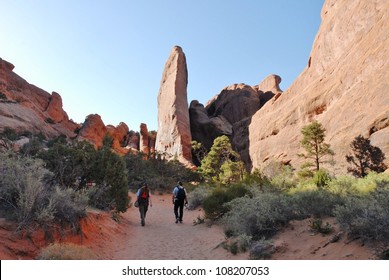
344 86
144 145
93 130
25 107
119 135
174 136
229 113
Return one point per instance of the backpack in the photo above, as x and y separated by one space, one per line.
181 195
144 195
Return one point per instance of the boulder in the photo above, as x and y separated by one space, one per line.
93 130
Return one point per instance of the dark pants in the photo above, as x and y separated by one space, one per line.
179 209
143 207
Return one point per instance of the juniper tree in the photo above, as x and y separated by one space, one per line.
365 157
313 143
222 163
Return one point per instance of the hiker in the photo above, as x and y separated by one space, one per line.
179 198
144 200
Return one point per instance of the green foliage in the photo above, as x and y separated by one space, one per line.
313 143
28 198
215 204
316 225
222 163
198 151
3 96
258 217
110 169
66 251
321 178
366 217
197 196
284 179
157 172
69 162
316 203
365 157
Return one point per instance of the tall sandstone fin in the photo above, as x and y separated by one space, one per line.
174 136
344 86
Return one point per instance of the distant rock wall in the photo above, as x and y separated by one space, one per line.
229 113
174 135
344 86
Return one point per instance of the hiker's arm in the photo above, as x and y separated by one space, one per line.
151 204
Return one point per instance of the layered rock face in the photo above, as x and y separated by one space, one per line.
344 86
174 136
25 107
229 113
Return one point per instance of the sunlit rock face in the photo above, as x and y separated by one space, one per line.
344 86
174 136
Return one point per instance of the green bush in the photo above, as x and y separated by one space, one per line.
3 96
197 196
28 198
215 204
321 178
258 217
316 203
366 217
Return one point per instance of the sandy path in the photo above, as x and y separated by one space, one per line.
163 239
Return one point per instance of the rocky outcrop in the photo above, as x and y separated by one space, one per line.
174 136
344 86
229 113
144 146
25 107
93 130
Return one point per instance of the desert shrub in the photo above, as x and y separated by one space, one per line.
284 180
197 196
366 217
261 249
316 203
66 252
341 186
29 199
321 178
3 96
214 204
316 225
69 207
257 217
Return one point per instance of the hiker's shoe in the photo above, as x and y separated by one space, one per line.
176 221
143 223
180 221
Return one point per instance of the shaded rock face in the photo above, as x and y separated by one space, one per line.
25 107
174 136
229 113
93 130
344 86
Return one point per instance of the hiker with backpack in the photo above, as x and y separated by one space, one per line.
179 198
144 200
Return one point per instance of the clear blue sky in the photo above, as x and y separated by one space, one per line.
107 57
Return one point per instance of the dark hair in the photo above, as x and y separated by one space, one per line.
180 183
